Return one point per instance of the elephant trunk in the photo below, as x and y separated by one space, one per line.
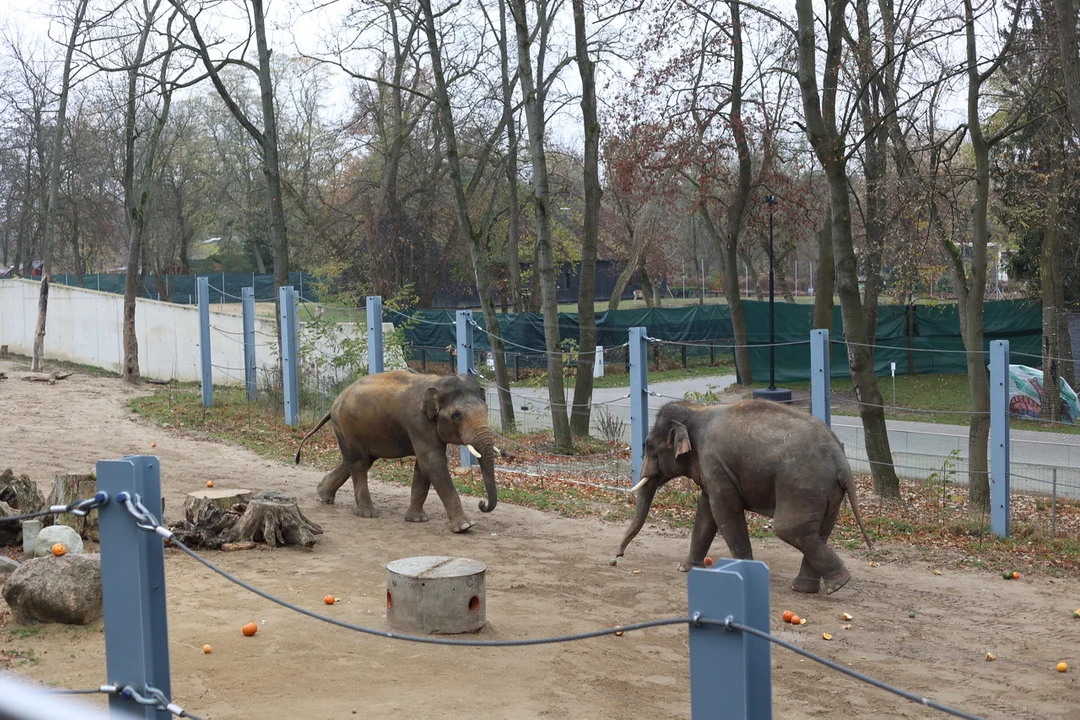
645 495
483 441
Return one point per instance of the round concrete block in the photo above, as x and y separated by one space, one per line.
436 595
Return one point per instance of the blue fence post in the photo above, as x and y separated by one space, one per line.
133 584
202 288
999 437
730 671
820 376
247 296
287 298
465 365
374 334
639 399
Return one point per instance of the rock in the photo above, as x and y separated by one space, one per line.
7 565
50 589
57 534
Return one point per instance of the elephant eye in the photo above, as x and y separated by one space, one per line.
456 416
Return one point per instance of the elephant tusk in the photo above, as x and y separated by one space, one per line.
474 451
641 483
497 450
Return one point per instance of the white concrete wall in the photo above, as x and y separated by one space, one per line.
85 326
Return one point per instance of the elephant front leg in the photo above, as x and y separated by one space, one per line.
362 496
731 521
702 536
433 465
420 487
332 482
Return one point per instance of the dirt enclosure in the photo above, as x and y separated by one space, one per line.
547 575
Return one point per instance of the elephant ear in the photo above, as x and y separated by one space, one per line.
431 402
680 438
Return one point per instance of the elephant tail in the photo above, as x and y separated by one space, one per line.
848 481
314 430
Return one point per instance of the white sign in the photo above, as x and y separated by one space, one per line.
598 362
893 369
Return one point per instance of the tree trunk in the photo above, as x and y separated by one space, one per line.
210 516
820 115
824 277
477 249
274 518
535 93
1066 12
52 209
1053 296
583 384
513 226
67 489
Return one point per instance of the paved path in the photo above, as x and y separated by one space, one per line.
918 448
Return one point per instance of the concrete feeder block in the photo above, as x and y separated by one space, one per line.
436 595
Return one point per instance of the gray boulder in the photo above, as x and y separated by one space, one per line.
57 534
7 565
63 589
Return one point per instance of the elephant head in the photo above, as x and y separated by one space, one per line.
668 454
458 408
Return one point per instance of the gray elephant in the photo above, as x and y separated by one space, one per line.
758 456
397 414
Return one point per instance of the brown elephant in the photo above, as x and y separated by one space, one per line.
758 456
397 414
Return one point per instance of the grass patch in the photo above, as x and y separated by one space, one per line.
938 525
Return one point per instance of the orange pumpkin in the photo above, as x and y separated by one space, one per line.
59 549
250 629
329 600
788 615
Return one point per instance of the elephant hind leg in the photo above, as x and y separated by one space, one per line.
420 487
819 560
361 495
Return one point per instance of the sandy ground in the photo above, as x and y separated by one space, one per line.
547 575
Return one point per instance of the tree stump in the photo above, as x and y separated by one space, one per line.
3 352
18 496
274 518
209 516
71 488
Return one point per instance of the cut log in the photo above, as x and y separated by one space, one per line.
3 376
67 489
3 352
50 378
18 496
274 518
209 516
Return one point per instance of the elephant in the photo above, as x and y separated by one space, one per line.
759 456
401 413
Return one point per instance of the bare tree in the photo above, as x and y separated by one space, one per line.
77 17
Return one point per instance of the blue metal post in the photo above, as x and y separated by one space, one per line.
247 296
639 399
287 298
465 365
730 672
133 584
374 334
820 376
999 437
202 288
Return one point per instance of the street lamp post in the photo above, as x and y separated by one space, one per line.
772 393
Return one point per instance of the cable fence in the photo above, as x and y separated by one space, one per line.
727 623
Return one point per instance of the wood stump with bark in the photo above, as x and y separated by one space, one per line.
224 519
209 516
18 496
67 489
3 352
274 518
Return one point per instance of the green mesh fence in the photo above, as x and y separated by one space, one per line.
919 339
224 287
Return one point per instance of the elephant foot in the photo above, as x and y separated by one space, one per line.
325 496
365 512
685 565
806 584
416 516
461 525
836 581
